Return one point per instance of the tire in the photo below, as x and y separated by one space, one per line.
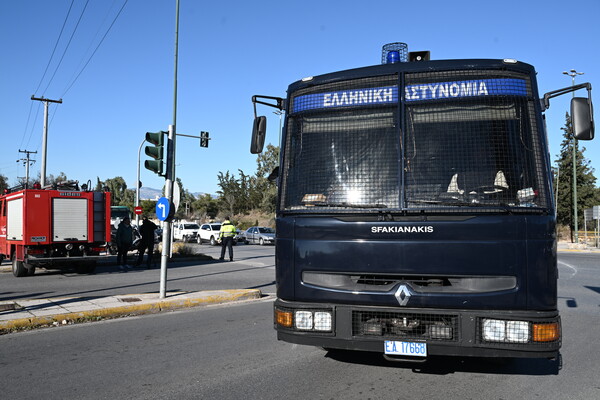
18 267
112 249
261 242
213 241
199 240
31 270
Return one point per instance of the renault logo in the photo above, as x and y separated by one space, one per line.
403 294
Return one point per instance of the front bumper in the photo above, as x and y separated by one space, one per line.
64 260
447 332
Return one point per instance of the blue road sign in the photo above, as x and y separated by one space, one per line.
163 209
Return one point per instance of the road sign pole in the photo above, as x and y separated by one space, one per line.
167 229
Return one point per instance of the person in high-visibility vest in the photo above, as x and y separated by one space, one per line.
226 235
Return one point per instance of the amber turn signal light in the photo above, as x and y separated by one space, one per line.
546 332
284 318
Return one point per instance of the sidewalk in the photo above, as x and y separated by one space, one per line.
28 314
568 246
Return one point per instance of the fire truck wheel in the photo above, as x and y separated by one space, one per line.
18 267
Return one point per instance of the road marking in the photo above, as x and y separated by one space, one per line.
569 266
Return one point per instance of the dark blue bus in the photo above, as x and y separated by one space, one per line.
415 213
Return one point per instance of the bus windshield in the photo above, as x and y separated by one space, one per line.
477 154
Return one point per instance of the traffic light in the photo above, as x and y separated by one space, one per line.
204 139
156 152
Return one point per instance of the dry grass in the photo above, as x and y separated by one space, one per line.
254 218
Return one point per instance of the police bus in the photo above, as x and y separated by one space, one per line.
415 214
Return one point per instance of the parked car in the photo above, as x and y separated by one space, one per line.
185 231
259 234
209 233
239 237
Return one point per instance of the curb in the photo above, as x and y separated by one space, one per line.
150 307
109 263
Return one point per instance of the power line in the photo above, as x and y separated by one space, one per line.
26 126
67 47
37 113
94 40
42 79
55 46
96 49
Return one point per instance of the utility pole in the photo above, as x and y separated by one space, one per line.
26 162
45 136
572 73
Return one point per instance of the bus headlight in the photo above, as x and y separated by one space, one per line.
497 330
313 320
304 320
494 330
517 331
323 321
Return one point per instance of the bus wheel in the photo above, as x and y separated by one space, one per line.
18 267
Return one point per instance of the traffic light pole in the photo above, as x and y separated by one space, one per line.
170 177
137 186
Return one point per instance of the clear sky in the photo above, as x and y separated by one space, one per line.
231 50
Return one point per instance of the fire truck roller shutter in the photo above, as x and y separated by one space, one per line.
69 219
15 219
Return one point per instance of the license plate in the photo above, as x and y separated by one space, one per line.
416 349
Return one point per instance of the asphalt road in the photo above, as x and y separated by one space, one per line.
231 352
252 268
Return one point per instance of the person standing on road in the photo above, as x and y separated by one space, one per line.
147 231
124 239
226 235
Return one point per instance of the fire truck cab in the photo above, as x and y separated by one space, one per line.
53 228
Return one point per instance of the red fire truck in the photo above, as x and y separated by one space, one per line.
54 228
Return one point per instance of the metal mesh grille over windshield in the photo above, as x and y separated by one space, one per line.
471 141
457 141
342 148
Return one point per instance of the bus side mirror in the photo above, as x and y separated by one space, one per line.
582 118
258 134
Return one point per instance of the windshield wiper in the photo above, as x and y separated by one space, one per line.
463 203
348 205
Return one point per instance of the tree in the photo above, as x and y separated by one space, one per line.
148 207
240 195
229 193
266 163
118 192
3 183
99 185
186 200
205 207
587 193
